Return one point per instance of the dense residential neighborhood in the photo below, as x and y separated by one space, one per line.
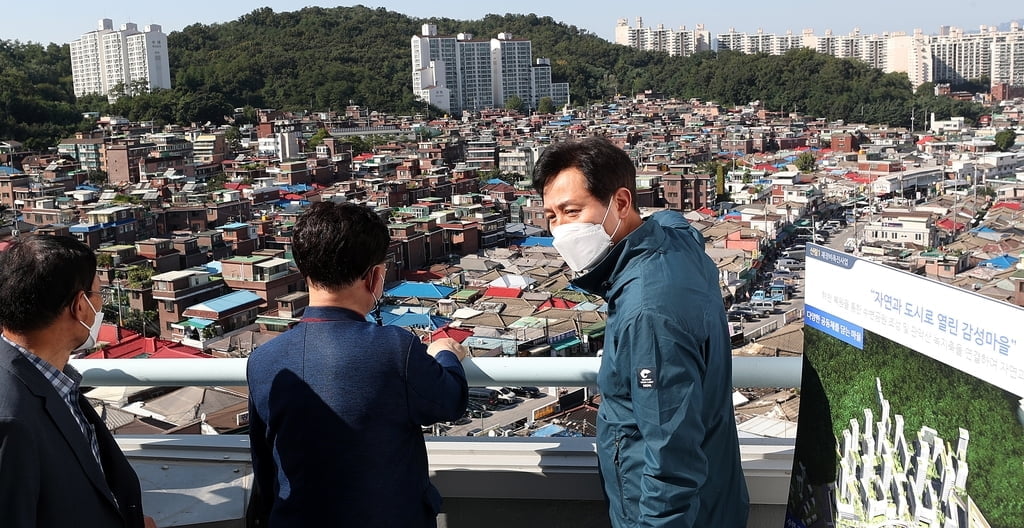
192 225
190 203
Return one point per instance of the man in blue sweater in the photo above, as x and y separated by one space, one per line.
336 404
666 435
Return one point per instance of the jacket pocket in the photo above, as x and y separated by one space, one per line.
628 471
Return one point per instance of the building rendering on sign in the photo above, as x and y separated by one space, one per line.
109 62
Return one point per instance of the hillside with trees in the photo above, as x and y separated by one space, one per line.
326 58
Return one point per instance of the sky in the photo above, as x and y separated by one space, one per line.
44 22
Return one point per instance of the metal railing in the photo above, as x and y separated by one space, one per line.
211 475
566 372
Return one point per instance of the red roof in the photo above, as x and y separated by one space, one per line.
706 211
1015 206
126 344
497 291
556 302
859 178
766 167
925 139
178 352
458 334
947 224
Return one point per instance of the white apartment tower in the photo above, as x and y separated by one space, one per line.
951 56
459 73
104 58
512 60
683 42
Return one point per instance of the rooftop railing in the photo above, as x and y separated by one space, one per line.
559 371
204 480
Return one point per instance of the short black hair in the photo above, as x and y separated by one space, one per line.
335 244
605 166
40 275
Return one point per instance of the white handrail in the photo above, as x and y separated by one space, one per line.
565 372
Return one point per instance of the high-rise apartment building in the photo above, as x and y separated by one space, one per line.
457 73
951 56
683 42
106 59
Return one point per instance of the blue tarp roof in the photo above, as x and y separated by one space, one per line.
550 430
228 302
423 290
286 203
1001 262
9 170
537 241
410 320
83 228
495 181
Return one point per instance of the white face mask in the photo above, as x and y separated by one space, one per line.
583 244
94 330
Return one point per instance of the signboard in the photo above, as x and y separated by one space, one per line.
911 411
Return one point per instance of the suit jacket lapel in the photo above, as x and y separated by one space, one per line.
59 414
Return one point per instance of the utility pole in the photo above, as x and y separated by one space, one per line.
120 300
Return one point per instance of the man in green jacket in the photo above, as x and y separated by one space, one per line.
666 433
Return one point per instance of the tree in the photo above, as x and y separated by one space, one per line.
104 260
139 276
144 323
98 177
805 162
317 139
233 136
514 103
545 106
1005 139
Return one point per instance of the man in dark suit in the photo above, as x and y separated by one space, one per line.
59 465
336 404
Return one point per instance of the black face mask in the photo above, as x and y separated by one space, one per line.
376 306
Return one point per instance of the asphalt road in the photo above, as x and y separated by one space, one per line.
502 416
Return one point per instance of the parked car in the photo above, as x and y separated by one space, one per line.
484 395
742 315
748 310
790 264
526 392
505 394
478 413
